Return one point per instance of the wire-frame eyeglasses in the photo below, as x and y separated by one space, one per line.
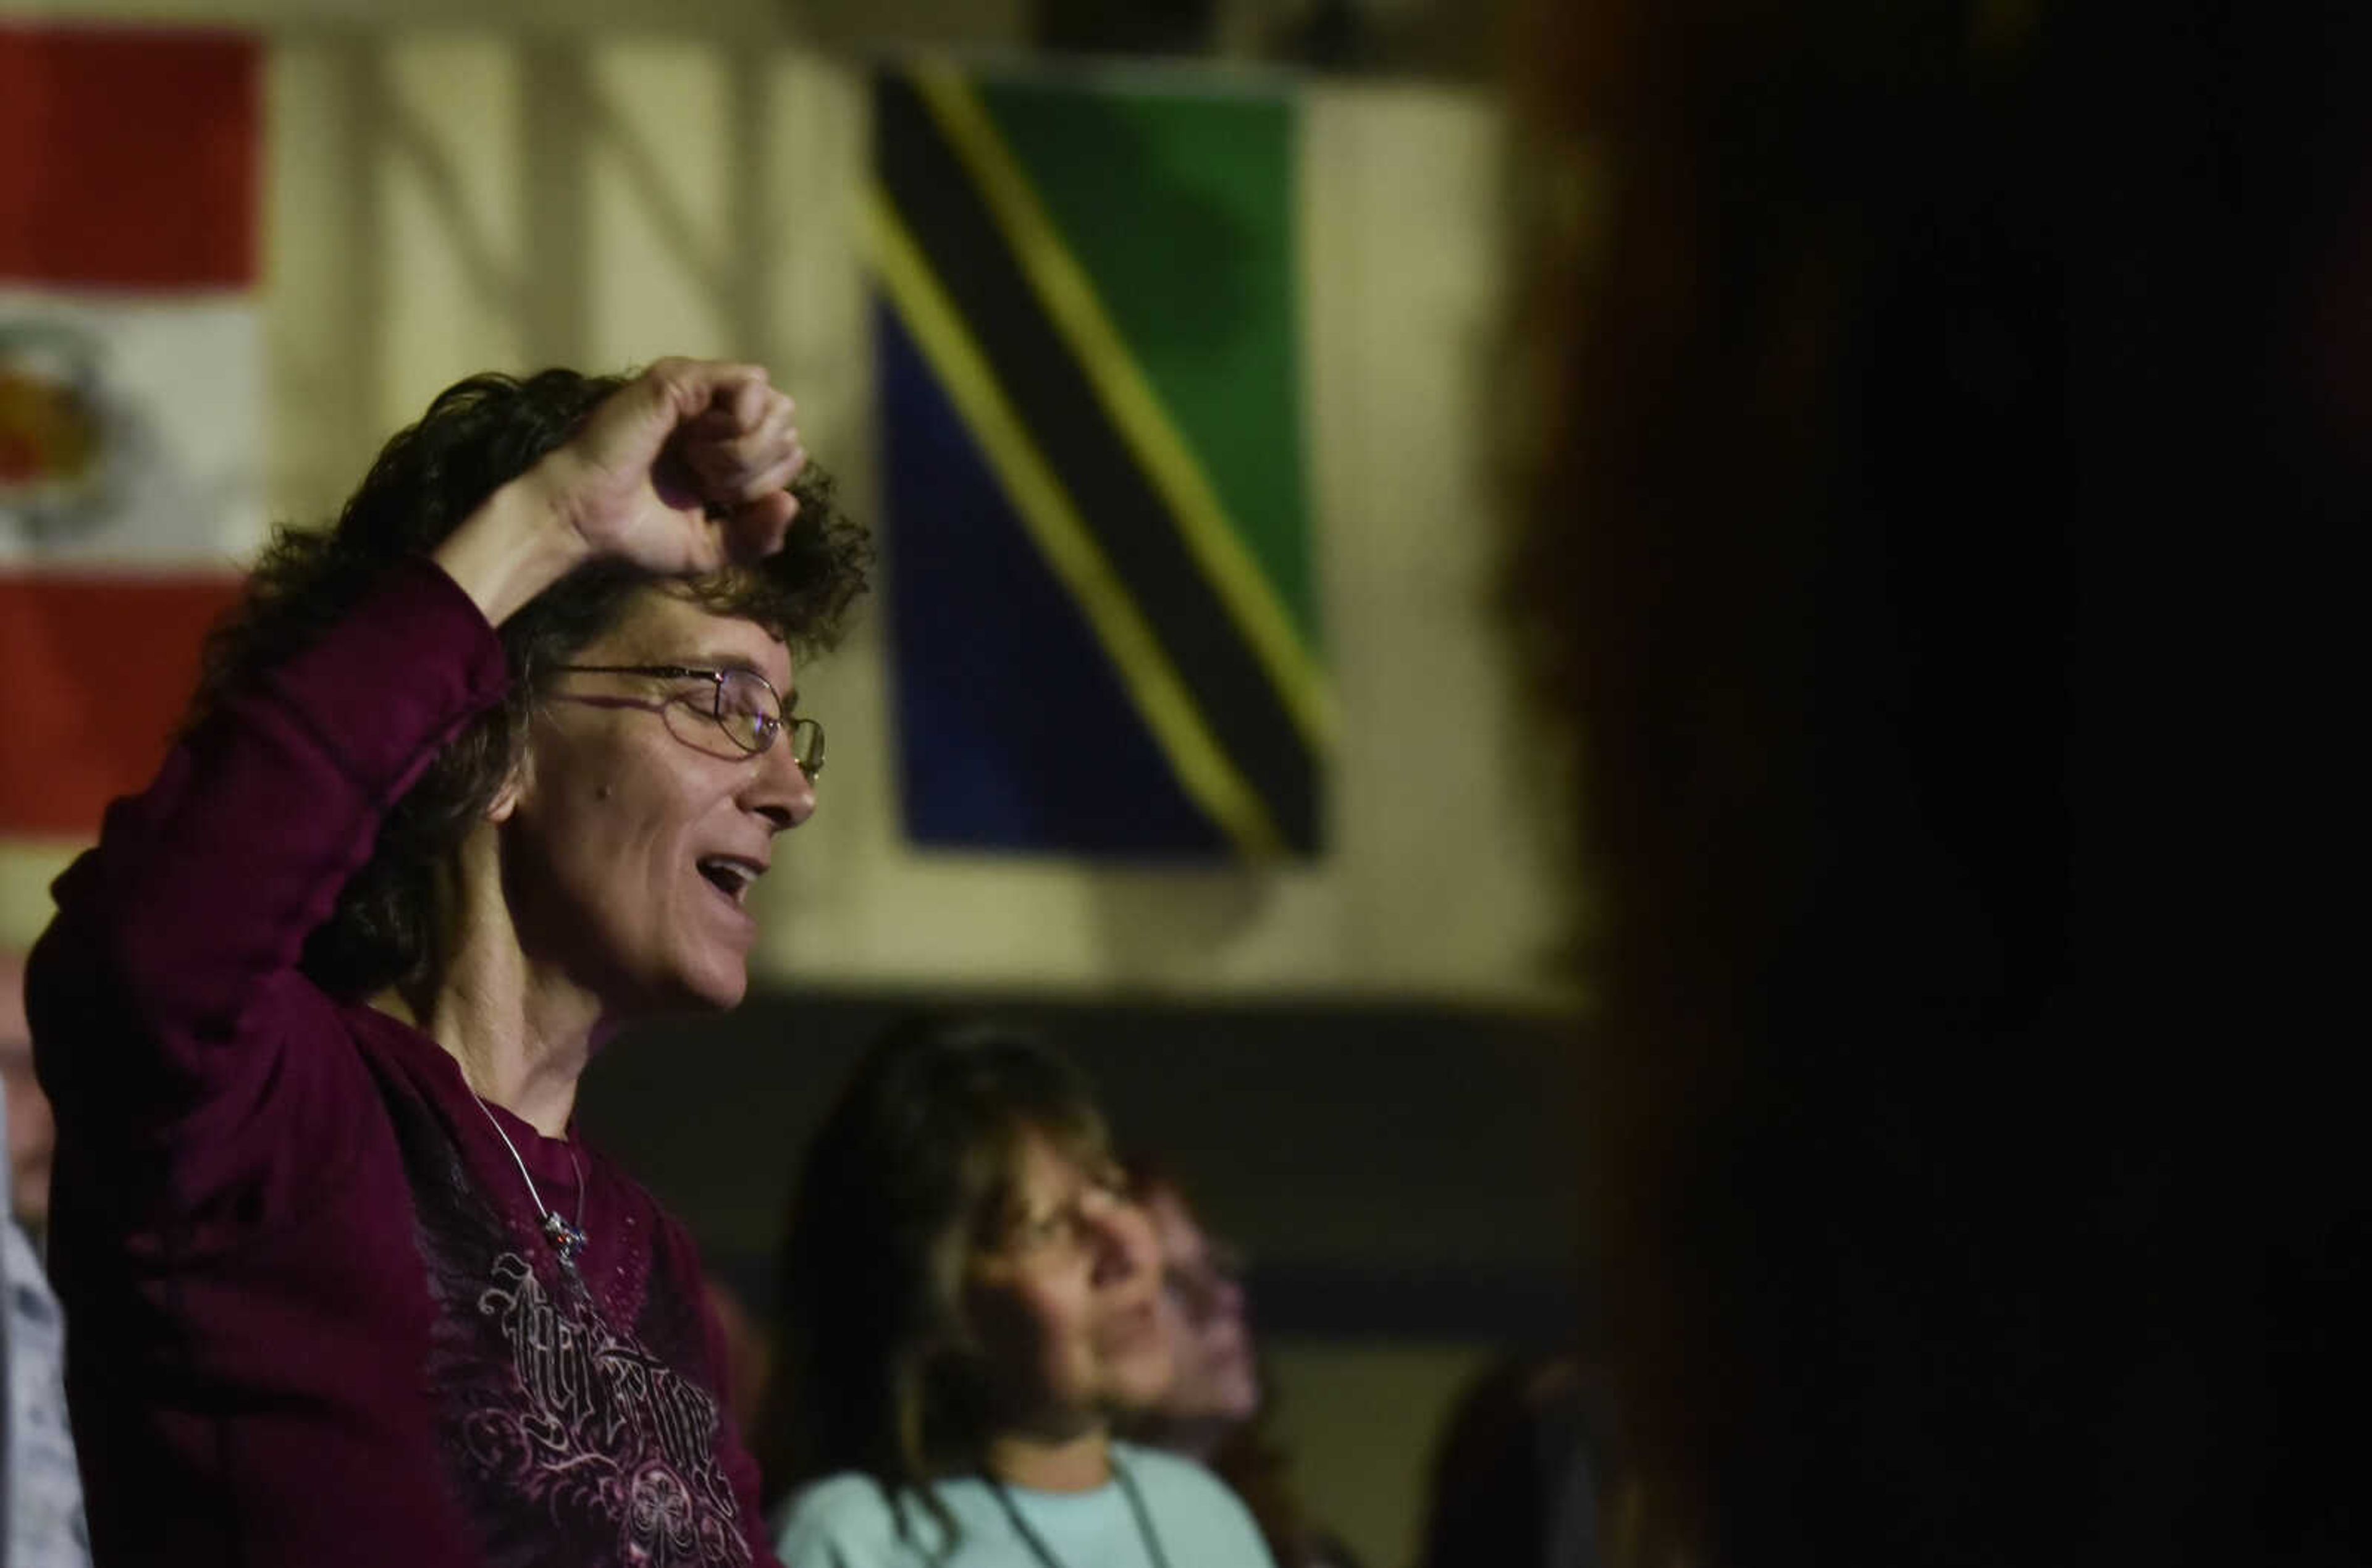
745 707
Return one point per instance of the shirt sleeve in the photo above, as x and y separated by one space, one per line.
841 1522
1213 1527
807 1543
166 996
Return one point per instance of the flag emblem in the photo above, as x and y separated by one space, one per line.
53 446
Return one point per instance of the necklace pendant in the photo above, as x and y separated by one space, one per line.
566 1239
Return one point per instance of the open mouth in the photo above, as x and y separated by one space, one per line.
730 876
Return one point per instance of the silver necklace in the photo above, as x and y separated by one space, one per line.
566 1239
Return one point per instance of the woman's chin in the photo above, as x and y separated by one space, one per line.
722 994
1139 1382
715 984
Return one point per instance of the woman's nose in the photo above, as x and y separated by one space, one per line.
781 791
1227 1294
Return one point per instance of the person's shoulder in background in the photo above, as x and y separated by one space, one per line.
849 1521
1200 1520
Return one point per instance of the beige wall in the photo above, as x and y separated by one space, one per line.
830 23
1359 1423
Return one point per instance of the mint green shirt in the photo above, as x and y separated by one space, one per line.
846 1521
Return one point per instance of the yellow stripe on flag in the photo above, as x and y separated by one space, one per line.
1204 769
1136 409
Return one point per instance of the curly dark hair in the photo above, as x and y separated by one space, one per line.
477 435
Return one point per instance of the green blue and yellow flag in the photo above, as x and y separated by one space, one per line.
1100 585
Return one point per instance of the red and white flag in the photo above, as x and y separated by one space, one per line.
131 397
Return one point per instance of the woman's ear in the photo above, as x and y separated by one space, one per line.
506 800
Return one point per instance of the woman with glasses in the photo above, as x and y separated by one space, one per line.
969 1293
475 775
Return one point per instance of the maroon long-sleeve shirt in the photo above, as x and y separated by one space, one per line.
311 1316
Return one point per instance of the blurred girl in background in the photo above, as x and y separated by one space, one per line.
969 1292
1217 1408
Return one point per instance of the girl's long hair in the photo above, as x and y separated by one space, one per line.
911 1170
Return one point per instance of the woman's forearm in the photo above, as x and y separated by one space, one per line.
203 889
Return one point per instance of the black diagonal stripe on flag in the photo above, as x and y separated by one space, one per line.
934 194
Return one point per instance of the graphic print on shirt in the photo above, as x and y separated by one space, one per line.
568 1440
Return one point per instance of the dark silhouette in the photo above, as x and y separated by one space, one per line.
1938 406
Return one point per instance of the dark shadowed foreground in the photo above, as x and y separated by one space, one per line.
1940 408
